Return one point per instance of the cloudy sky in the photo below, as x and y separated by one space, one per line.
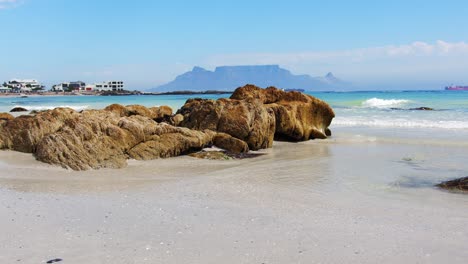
395 45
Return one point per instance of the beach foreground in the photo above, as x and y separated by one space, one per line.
349 199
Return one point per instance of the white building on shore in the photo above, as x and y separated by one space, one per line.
69 86
27 85
95 87
108 86
4 89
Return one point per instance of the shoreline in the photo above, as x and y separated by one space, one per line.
126 93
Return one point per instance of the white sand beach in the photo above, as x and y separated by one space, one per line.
348 199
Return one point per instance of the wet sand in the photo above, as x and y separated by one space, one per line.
349 199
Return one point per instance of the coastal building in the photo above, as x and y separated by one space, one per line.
76 86
109 86
59 87
27 85
4 89
69 86
80 86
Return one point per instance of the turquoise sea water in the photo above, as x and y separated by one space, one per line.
377 109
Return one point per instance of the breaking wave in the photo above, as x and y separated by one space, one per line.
50 107
384 103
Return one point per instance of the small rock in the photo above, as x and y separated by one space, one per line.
18 109
422 108
457 184
54 260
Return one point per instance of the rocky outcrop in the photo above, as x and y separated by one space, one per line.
457 184
25 132
247 120
18 109
298 116
99 140
95 139
257 116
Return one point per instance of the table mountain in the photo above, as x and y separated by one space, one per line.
227 78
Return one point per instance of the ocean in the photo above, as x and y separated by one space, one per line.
372 109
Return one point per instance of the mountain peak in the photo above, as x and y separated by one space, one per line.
330 75
198 69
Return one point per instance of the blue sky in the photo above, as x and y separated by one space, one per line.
396 44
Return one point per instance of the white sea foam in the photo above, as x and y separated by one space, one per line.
384 103
399 123
50 107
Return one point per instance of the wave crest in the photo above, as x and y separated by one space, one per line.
384 103
50 107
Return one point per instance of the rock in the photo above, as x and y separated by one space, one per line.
211 155
54 260
156 113
177 119
97 140
457 184
120 110
6 116
229 143
247 120
25 132
170 142
298 116
223 155
422 108
162 113
140 110
18 109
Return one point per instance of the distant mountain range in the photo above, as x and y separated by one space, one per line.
228 78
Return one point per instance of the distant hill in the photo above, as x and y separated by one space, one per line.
227 78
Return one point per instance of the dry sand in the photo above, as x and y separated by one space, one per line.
344 200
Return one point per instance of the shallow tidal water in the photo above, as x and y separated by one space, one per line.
361 196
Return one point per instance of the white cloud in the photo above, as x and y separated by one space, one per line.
418 48
4 4
438 61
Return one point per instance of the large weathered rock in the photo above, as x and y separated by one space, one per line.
98 138
457 184
298 116
25 132
247 120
